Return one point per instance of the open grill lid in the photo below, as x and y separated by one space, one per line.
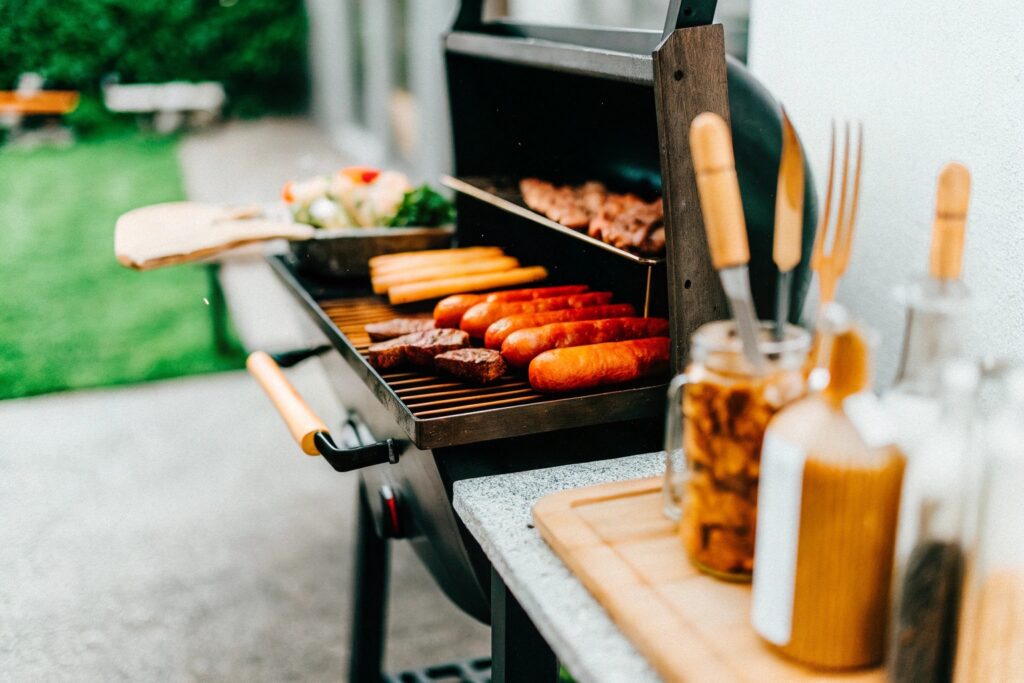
576 104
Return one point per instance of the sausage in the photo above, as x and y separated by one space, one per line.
449 311
524 345
479 317
586 367
500 329
536 293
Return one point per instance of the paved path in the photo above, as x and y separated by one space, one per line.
172 531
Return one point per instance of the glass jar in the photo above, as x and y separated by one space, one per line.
991 643
718 410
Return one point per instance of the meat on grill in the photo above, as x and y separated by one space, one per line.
479 366
622 220
397 327
417 348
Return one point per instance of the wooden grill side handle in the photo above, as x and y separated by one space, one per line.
302 422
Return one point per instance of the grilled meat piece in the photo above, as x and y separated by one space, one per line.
573 207
631 229
389 354
479 366
622 220
417 348
396 327
613 206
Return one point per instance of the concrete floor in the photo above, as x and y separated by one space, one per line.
172 530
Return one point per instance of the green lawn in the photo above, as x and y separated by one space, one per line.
70 316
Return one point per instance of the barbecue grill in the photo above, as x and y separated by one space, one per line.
567 105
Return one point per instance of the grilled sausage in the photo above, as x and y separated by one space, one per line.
536 293
479 317
523 346
585 367
500 329
449 311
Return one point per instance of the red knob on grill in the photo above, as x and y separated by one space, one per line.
391 521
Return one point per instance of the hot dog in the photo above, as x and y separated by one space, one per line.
585 367
536 293
449 311
523 346
499 330
479 317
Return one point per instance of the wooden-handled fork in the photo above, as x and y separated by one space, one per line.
831 266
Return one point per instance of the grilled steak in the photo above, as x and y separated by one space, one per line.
422 347
388 354
479 366
418 348
396 327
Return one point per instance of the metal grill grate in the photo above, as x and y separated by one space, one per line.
425 395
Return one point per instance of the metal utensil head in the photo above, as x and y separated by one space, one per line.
789 200
832 265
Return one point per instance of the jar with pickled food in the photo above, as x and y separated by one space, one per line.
718 410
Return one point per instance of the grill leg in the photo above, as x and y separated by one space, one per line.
518 652
370 594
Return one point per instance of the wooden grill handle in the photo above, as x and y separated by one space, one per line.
302 422
719 189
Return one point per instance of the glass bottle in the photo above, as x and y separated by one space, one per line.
932 536
991 642
935 305
828 503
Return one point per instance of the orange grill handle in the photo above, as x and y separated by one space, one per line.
302 422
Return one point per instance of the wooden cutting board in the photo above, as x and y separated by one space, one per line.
690 626
178 232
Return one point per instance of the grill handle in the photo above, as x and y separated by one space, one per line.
308 430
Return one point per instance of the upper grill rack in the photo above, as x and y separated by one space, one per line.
508 199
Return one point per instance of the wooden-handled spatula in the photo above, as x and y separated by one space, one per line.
719 190
789 220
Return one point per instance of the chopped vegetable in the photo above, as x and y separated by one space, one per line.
423 207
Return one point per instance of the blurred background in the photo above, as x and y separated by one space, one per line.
156 521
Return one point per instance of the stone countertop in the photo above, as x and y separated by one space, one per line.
498 512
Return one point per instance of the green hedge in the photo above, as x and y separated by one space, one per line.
256 48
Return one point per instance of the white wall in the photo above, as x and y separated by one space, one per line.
933 81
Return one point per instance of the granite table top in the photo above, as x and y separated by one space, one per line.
497 510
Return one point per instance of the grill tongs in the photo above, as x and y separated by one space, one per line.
308 430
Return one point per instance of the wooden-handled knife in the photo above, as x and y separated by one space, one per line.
722 208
